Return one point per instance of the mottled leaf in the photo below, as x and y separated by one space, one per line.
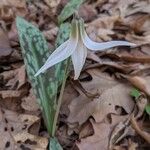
35 52
54 144
69 9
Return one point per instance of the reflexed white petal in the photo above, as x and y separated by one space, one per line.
57 51
61 54
78 58
100 46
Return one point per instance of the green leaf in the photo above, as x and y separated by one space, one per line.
135 93
147 109
54 144
69 9
35 52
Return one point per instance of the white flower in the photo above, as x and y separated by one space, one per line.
76 47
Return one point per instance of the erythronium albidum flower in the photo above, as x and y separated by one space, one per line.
76 47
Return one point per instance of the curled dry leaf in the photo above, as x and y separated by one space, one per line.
111 95
132 145
142 133
141 103
98 140
141 83
86 130
121 130
14 128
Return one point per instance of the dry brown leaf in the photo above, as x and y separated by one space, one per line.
139 40
14 79
87 12
11 99
29 103
101 28
10 8
141 103
112 94
52 3
14 128
141 83
99 140
142 133
121 130
132 145
139 7
5 49
129 146
69 94
86 130
21 76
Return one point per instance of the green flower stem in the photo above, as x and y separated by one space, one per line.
60 100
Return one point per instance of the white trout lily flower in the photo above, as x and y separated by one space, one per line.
76 47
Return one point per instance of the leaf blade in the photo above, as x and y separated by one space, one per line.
69 9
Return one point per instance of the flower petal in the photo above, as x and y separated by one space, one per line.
100 46
78 58
63 51
57 51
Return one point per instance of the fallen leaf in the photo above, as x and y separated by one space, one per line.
111 95
21 76
141 83
121 130
29 103
142 133
14 128
14 79
86 130
52 3
5 49
141 104
139 40
99 140
87 12
11 8
132 145
102 28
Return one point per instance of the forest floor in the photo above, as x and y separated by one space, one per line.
108 107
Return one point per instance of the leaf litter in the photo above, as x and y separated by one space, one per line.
98 112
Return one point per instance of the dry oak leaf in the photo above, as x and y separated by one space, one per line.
14 131
29 102
10 8
145 135
5 49
14 79
102 28
139 40
99 140
142 83
111 95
